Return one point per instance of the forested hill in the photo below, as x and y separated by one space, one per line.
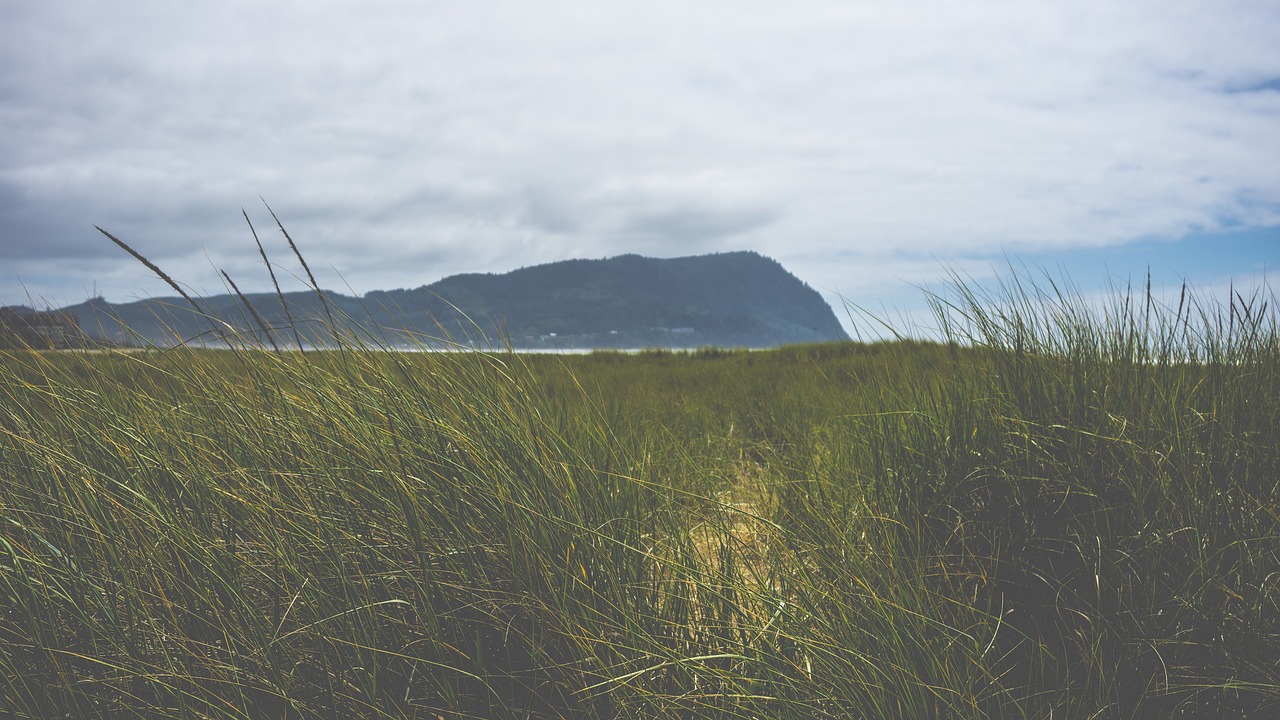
732 299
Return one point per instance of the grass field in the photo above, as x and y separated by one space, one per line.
1063 511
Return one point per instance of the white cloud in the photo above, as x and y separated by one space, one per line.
853 141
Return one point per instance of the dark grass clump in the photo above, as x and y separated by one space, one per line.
1099 483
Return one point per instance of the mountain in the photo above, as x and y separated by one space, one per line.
736 299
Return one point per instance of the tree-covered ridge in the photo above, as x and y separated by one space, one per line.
726 299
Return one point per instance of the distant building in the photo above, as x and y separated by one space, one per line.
26 328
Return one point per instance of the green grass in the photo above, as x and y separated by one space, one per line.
1059 511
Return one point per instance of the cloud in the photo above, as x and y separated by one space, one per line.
698 225
402 141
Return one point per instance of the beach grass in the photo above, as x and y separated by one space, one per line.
1061 508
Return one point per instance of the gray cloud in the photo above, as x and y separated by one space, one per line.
402 141
699 225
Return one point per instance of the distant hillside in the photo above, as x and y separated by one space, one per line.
738 299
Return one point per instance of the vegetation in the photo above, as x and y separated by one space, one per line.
737 299
1061 511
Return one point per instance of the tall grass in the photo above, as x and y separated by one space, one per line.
1062 511
1083 508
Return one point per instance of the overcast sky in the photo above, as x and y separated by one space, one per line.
865 145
